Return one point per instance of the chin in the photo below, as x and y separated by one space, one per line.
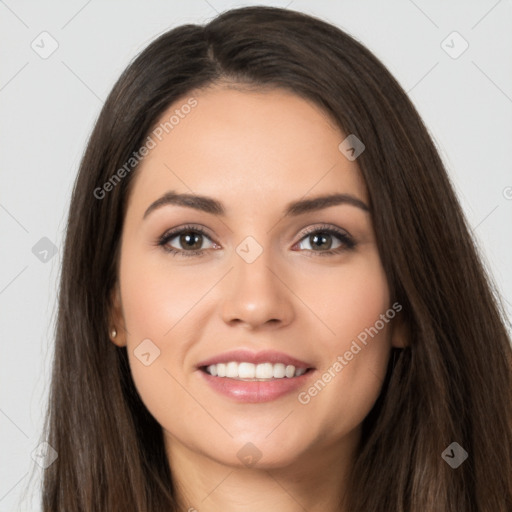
260 451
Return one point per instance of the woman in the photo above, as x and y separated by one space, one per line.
270 299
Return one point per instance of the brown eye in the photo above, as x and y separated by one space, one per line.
191 241
326 241
187 241
320 241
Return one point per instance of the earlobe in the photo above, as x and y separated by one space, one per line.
120 341
116 320
400 333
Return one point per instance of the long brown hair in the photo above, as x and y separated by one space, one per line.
452 383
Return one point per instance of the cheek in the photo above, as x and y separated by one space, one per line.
360 320
349 299
155 308
157 297
356 355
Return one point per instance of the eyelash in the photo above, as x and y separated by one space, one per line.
344 238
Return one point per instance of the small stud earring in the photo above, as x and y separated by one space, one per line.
113 333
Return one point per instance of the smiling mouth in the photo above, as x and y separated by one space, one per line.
254 372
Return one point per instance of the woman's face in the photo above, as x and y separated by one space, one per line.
264 276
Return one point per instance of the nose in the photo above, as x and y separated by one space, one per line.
256 295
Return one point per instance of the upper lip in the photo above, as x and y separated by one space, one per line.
264 356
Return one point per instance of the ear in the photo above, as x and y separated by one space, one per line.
400 332
116 318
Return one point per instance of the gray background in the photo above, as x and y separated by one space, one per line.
48 107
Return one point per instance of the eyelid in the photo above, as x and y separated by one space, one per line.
324 227
172 233
186 227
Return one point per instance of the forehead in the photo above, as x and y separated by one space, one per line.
247 148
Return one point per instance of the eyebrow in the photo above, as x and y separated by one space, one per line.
210 205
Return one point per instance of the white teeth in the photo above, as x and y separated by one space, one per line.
246 371
264 371
232 370
289 371
279 371
250 371
221 370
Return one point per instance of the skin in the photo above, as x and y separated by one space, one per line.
255 152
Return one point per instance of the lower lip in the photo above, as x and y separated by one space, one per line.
255 391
